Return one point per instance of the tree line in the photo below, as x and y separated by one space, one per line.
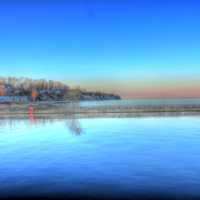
47 90
11 86
28 84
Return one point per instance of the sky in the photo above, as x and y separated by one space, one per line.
138 48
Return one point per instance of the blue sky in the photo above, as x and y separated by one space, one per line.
77 41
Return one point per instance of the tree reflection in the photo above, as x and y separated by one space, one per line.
74 125
31 115
72 121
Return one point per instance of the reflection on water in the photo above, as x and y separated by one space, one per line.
32 117
117 156
74 125
72 122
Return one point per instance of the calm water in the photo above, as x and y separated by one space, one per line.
110 157
142 102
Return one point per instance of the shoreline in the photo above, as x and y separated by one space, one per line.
95 111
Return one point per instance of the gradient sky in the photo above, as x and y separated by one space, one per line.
138 48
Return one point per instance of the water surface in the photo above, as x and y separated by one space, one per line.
142 102
108 157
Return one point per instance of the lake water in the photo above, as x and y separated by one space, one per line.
142 102
101 157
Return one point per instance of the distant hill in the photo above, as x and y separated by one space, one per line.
46 90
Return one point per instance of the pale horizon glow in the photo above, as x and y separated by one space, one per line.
137 49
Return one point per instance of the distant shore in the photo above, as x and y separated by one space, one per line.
52 108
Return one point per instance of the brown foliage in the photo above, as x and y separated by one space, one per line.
2 90
34 95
